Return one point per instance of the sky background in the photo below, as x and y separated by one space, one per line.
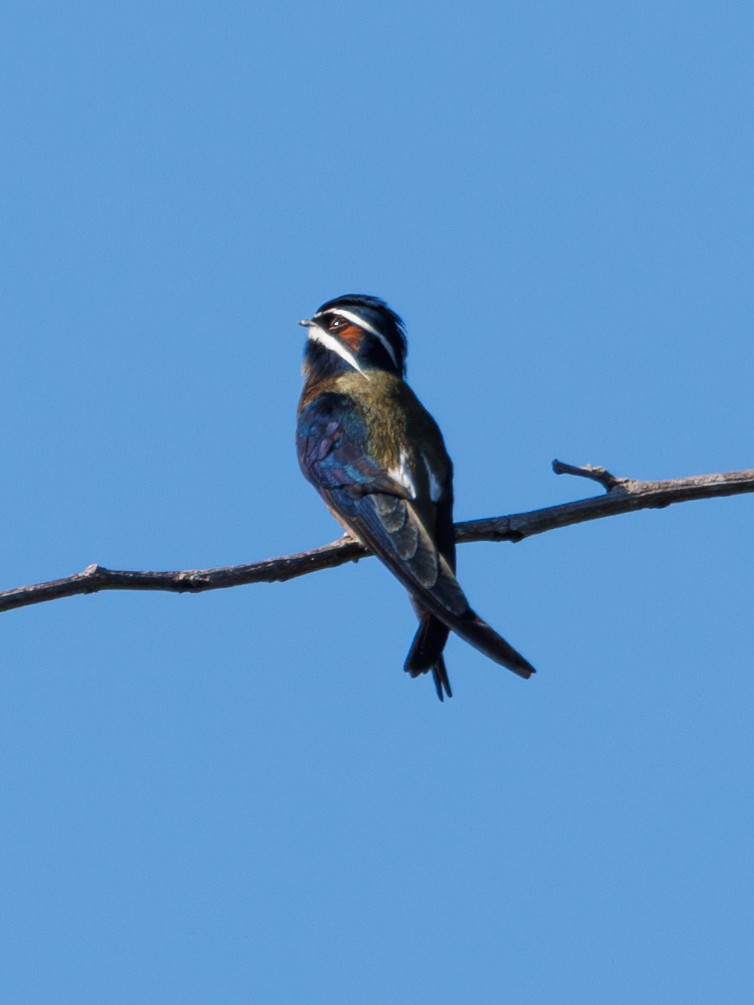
239 796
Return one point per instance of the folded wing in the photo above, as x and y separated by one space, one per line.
334 455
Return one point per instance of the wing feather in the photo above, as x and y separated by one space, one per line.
334 456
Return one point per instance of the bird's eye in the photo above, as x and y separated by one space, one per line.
336 323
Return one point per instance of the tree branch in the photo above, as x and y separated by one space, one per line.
622 495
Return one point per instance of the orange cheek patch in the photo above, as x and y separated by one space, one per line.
350 336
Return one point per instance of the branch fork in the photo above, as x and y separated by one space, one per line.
609 482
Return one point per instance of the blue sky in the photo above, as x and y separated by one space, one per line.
239 796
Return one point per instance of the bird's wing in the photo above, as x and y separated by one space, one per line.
334 456
378 509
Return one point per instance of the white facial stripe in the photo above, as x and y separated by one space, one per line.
317 334
360 323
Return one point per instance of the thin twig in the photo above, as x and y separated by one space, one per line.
623 495
606 480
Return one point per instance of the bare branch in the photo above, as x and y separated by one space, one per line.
622 495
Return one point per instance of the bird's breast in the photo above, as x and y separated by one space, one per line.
402 437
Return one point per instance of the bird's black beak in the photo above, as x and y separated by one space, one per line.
306 322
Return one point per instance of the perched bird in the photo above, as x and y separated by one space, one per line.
378 459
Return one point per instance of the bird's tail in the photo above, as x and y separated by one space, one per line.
426 652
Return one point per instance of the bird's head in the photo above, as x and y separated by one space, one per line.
354 332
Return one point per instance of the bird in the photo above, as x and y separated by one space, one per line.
378 459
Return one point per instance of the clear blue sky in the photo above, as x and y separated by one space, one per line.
240 797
